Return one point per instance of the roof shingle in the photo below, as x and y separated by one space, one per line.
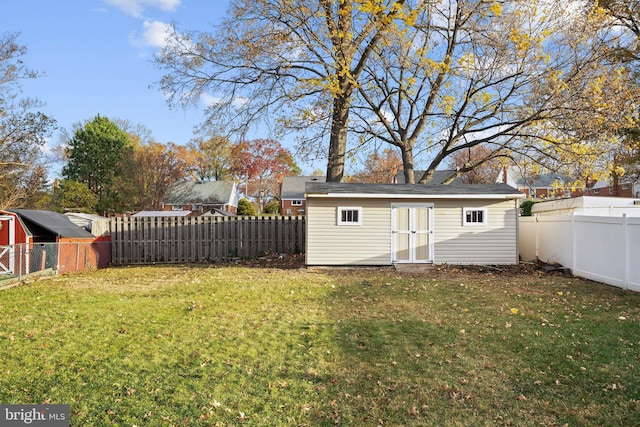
412 189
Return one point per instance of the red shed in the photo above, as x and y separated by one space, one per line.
33 240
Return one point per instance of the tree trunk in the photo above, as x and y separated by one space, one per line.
338 139
407 165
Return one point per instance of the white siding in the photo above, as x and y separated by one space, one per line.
365 244
494 243
370 243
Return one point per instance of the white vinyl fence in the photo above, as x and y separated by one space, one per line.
604 249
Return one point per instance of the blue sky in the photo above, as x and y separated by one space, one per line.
96 57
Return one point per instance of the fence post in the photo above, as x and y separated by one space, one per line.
574 238
537 248
626 250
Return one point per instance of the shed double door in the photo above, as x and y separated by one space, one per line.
412 233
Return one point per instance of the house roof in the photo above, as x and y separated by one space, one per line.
543 180
205 192
293 187
53 222
160 213
433 191
217 212
438 176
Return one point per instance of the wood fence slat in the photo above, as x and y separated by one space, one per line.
203 239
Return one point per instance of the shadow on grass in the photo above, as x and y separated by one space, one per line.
414 350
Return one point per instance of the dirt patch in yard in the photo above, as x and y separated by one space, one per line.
528 270
455 272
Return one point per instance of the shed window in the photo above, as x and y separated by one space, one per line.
474 216
296 203
349 216
176 207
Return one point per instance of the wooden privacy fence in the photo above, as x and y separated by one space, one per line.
147 240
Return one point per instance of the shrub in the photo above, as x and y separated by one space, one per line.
273 207
525 207
245 208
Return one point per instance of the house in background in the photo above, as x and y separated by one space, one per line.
199 197
589 205
292 198
385 224
609 189
555 186
540 186
439 177
150 214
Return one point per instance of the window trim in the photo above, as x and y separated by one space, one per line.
342 209
177 207
466 223
296 202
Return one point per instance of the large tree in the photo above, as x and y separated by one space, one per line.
625 19
625 13
260 165
23 132
379 167
486 168
70 196
212 158
512 76
297 62
95 155
148 172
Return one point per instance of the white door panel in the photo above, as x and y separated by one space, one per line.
412 233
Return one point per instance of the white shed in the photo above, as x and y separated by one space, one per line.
385 224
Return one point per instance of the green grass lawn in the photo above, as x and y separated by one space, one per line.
240 345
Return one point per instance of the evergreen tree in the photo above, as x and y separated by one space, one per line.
95 154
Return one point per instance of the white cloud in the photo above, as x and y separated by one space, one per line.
209 100
135 8
155 34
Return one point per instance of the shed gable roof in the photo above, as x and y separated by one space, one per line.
337 189
53 222
438 177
